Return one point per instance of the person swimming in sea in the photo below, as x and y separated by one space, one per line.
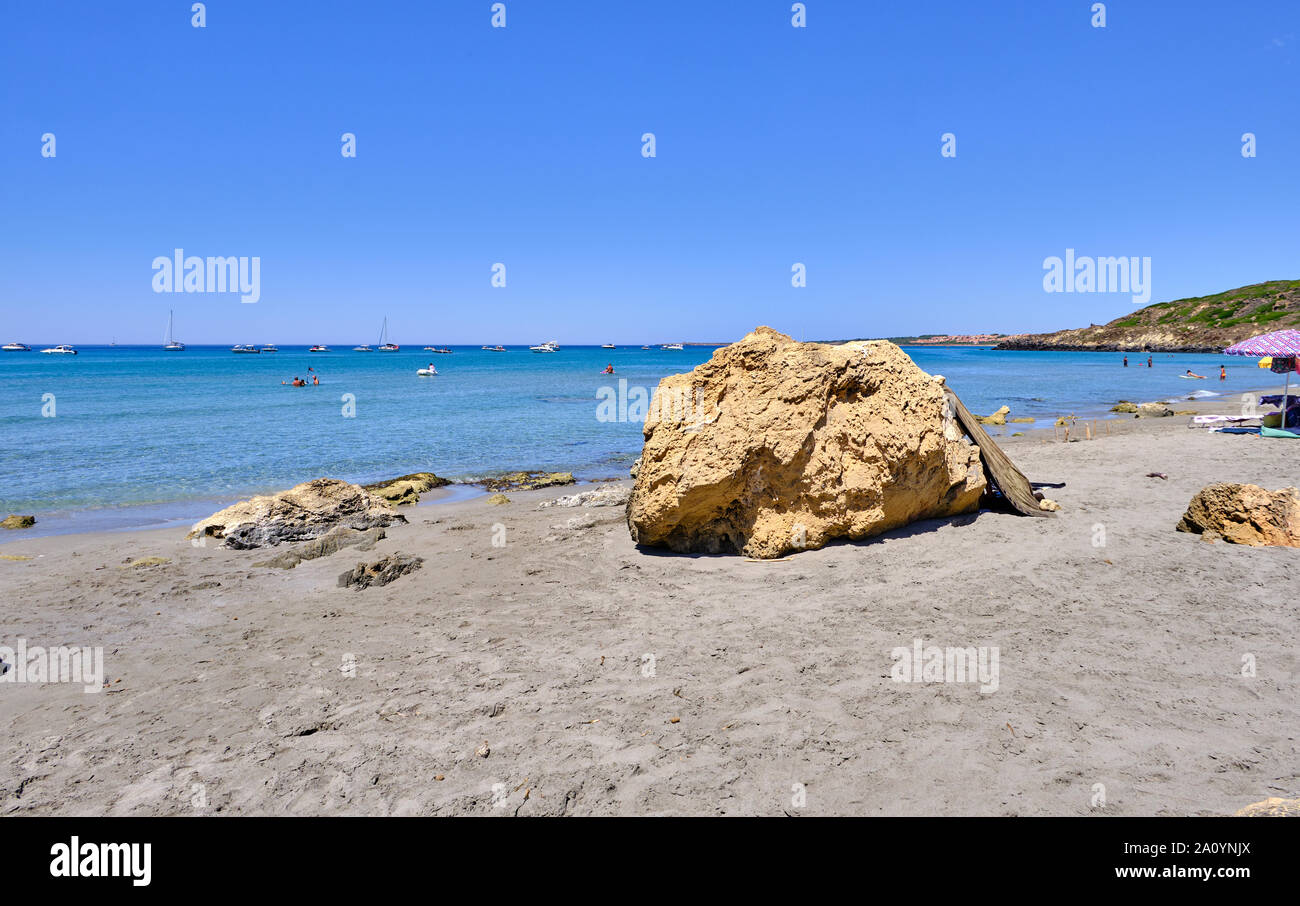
609 369
1191 373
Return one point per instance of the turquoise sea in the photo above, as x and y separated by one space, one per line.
134 436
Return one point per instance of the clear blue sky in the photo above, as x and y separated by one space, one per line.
523 146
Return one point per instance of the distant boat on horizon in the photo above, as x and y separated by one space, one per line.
608 346
384 345
494 348
550 346
245 350
170 343
16 347
673 346
61 349
270 348
319 348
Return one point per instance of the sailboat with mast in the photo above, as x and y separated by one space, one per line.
171 344
384 345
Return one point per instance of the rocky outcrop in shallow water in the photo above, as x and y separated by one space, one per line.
524 481
785 446
301 513
18 522
407 489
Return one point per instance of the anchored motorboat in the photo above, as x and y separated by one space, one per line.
245 350
61 349
16 347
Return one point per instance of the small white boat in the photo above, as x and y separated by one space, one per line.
61 349
270 348
319 348
428 372
608 346
16 347
494 348
362 348
546 347
171 344
439 349
245 350
674 346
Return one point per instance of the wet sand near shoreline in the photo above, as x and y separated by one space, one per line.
568 672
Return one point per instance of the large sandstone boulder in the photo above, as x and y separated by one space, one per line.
301 513
1272 807
774 446
1245 514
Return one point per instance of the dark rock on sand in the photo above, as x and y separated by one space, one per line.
407 489
331 543
16 522
381 572
301 513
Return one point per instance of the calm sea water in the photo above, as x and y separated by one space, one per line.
141 436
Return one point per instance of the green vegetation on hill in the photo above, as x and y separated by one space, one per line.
1203 323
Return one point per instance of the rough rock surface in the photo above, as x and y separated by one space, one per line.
381 572
498 500
775 446
1125 406
525 481
327 544
1245 514
407 489
1154 410
16 522
301 513
614 495
1272 807
997 418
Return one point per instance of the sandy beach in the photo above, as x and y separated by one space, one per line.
566 671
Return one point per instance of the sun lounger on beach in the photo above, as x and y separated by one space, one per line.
1214 421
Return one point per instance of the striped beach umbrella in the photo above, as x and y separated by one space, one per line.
1280 344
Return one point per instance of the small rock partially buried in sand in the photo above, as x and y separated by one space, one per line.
381 572
1124 406
145 562
17 522
1245 514
498 500
1272 807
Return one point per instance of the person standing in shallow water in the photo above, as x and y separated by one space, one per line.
1148 361
1223 373
1125 361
